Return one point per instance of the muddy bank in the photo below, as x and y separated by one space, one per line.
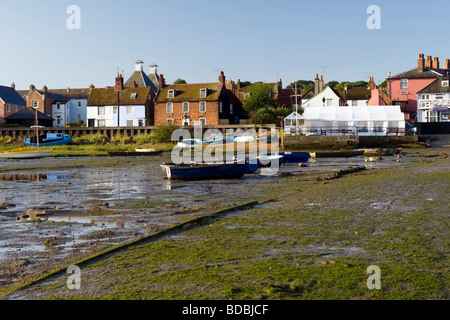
93 207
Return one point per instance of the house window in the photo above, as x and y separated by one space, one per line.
130 123
404 84
202 121
169 107
329 102
171 94
35 104
133 95
203 92
169 122
8 109
220 107
378 126
231 108
140 122
439 96
129 109
185 107
202 106
58 105
101 112
354 103
445 83
101 123
115 110
16 109
79 104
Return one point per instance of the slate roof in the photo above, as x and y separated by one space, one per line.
416 74
11 96
60 94
28 114
436 86
142 80
190 92
108 96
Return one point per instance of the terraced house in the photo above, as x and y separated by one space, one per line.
10 102
204 104
120 106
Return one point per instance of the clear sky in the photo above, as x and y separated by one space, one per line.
251 40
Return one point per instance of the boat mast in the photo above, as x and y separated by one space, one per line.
37 128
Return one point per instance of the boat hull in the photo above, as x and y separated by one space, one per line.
337 154
51 140
204 171
133 153
26 155
294 157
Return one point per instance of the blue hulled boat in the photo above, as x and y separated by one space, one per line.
51 139
204 171
293 157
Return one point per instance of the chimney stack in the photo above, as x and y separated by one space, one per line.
45 89
32 87
138 65
436 63
222 78
13 85
162 81
316 85
135 85
372 83
321 84
429 62
91 87
119 82
421 62
447 64
68 89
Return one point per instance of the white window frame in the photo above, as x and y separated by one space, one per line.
404 84
35 104
200 104
169 121
101 110
130 123
202 121
101 123
185 107
169 107
445 83
203 93
130 110
171 94
8 108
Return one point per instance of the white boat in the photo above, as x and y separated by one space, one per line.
31 154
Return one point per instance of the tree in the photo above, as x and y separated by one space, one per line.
180 81
332 83
260 97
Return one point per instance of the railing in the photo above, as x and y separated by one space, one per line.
333 131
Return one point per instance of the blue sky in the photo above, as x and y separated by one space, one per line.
251 40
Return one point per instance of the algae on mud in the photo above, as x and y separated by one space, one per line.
312 240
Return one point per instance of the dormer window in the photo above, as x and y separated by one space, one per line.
133 95
445 83
171 94
203 92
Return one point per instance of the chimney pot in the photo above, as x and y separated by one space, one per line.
429 62
436 63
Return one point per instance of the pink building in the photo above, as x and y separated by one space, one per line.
403 87
377 97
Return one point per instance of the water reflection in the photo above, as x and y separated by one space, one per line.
33 177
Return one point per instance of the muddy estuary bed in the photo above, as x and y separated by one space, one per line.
56 210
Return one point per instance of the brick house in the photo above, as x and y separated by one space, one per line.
121 106
10 102
198 103
403 87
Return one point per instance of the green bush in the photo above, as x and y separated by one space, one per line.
163 134
120 138
97 139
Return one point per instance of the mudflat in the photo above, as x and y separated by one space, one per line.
312 234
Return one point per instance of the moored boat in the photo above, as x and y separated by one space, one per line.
204 171
336 154
134 153
294 156
51 139
26 154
